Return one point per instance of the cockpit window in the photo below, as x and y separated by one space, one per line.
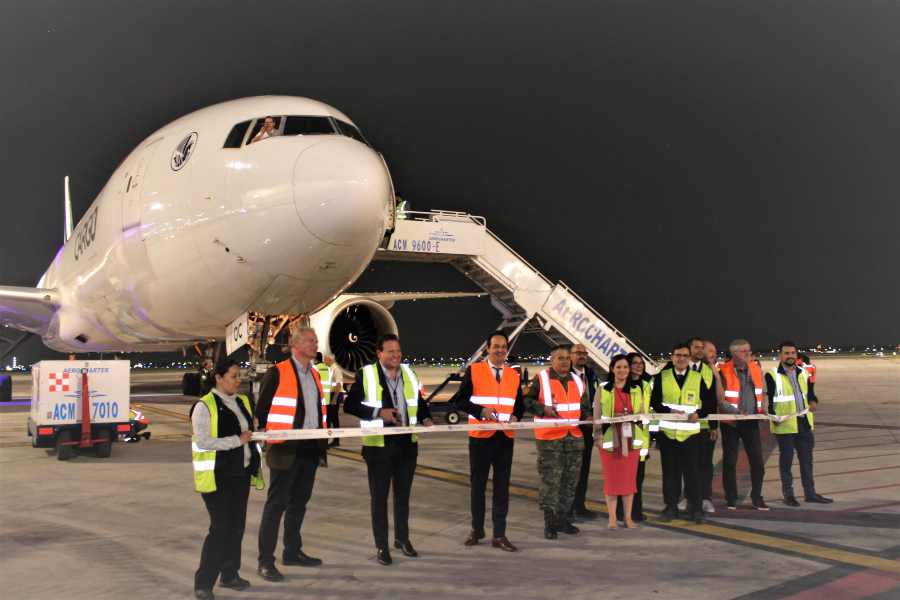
350 131
308 126
262 128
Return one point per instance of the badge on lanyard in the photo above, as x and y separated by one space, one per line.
691 397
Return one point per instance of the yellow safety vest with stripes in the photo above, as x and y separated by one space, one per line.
326 376
784 401
707 375
640 438
205 460
372 394
686 400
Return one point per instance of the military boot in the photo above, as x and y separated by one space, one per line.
549 525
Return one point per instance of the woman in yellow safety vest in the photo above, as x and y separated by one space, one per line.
226 464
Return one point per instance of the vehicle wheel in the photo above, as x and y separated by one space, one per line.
452 417
65 452
103 449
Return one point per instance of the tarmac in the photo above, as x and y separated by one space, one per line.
131 525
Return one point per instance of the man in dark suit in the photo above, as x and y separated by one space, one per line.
385 394
290 398
587 374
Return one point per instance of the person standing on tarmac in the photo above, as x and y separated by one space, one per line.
790 392
290 397
742 381
332 380
678 389
589 377
555 395
491 391
639 377
621 443
388 393
226 464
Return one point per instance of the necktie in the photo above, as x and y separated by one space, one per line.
496 373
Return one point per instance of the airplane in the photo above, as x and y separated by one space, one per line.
210 217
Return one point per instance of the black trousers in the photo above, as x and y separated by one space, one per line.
803 442
395 462
333 415
637 505
679 461
221 554
706 448
732 435
289 491
581 486
485 453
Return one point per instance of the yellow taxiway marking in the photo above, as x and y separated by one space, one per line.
760 540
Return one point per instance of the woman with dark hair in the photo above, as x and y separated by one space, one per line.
226 464
640 377
620 443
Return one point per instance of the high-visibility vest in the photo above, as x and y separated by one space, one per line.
707 375
607 409
785 404
205 460
497 396
326 376
810 370
284 402
733 385
567 403
686 399
646 391
372 395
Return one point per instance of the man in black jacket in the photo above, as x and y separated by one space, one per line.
579 366
385 394
290 398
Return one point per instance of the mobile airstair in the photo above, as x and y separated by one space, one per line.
526 299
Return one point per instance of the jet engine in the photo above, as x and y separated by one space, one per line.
349 328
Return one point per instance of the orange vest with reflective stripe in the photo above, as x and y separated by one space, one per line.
284 402
488 393
567 403
810 370
733 385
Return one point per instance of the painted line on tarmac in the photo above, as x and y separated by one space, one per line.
164 411
820 475
849 458
871 506
859 425
725 533
862 489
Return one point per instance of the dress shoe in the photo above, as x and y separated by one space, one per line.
204 595
791 501
301 560
760 504
270 573
819 499
383 555
474 538
406 548
731 504
503 543
549 525
235 583
585 513
567 527
669 513
697 517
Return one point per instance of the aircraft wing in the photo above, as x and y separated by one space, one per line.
391 297
28 309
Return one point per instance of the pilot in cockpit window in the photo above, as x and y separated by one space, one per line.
266 131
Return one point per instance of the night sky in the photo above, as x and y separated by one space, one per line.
722 169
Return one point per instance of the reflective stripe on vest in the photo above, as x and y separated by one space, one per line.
607 409
284 403
785 404
205 460
567 403
372 398
488 393
326 376
686 399
733 385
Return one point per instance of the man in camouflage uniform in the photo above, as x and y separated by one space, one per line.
559 460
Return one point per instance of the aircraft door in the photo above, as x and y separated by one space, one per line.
134 179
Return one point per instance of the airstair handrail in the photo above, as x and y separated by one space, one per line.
519 257
433 216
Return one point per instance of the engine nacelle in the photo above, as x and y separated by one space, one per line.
349 328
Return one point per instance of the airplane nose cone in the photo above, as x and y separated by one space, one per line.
341 190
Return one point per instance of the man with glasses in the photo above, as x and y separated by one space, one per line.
579 367
677 389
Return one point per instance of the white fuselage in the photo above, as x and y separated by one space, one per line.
187 234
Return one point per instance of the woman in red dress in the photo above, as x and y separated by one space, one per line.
620 443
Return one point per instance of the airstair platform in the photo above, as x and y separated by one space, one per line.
528 301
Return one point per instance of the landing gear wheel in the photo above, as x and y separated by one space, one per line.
65 452
452 417
103 449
